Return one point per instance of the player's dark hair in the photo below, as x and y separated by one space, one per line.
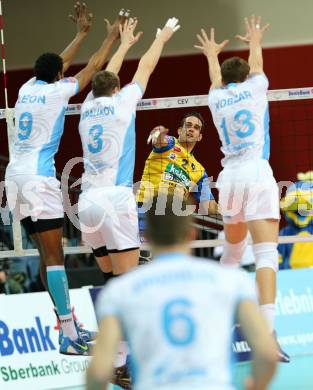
166 226
197 115
47 67
234 70
104 82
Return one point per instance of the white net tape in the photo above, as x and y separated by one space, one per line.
198 100
156 104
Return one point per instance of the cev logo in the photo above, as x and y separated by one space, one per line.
182 101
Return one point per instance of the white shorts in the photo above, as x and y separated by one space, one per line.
108 217
34 196
248 192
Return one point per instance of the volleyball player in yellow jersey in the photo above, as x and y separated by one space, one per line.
171 166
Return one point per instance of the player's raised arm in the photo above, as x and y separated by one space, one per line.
98 59
150 59
83 19
211 50
254 35
128 39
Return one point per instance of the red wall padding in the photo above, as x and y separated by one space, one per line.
291 122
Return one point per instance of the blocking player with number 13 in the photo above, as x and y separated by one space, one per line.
248 192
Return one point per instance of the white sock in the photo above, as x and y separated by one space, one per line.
268 312
121 356
68 327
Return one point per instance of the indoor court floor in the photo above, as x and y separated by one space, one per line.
297 375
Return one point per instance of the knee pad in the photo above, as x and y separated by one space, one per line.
233 253
266 255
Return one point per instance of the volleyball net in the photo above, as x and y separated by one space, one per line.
291 114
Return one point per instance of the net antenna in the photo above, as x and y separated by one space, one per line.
9 115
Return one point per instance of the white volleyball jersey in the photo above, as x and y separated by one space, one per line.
107 131
39 124
240 114
177 315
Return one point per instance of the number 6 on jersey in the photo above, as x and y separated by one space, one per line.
178 325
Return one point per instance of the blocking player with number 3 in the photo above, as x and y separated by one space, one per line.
248 192
33 192
107 208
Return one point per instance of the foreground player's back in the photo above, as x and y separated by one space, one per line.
177 314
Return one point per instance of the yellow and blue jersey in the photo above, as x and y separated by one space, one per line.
299 254
172 167
297 206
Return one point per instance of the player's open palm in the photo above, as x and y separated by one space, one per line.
81 17
127 32
157 134
254 29
209 46
113 29
168 30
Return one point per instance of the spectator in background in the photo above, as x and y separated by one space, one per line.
297 207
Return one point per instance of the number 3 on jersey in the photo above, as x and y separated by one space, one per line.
25 126
245 126
95 135
178 325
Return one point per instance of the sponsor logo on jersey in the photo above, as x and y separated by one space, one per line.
174 173
172 156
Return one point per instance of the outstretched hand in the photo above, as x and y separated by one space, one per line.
254 30
209 46
168 30
155 133
82 18
127 32
113 30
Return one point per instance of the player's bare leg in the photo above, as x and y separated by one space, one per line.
264 234
263 231
236 241
73 339
105 264
236 232
124 261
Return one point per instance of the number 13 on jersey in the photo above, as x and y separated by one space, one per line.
242 122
